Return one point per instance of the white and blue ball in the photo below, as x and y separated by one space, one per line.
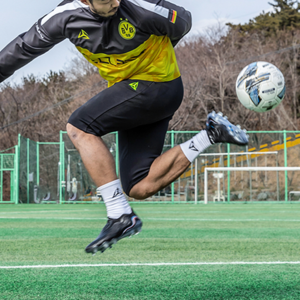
260 86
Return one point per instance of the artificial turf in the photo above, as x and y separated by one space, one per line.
180 233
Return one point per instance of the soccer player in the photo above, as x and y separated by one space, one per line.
132 43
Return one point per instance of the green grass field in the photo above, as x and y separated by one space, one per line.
165 261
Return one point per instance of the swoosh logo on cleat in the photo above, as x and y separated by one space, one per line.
133 220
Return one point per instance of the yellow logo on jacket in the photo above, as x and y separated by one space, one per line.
83 35
127 31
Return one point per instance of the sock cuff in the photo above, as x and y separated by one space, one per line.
185 148
193 147
114 199
107 185
202 138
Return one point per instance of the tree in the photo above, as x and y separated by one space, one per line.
286 16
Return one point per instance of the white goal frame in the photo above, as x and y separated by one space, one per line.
241 169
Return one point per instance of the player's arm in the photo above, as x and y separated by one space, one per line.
26 47
166 18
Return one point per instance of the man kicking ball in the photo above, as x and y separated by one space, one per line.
132 43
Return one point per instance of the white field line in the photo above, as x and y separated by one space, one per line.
39 211
223 220
50 218
152 265
149 212
158 219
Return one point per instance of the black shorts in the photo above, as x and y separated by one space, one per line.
140 113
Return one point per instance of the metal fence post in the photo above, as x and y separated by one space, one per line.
38 163
228 173
196 180
285 164
172 185
28 186
16 171
19 160
61 170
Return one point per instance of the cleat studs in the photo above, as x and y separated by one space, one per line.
220 114
105 245
226 118
238 126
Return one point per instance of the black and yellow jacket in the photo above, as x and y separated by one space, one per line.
136 43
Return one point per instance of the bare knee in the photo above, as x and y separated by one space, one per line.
73 132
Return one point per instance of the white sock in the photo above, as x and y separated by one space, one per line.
114 199
193 147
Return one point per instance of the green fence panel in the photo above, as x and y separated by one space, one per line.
54 172
7 176
48 170
268 149
76 185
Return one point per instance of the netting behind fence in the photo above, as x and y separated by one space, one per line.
77 185
27 170
54 172
47 188
259 184
7 176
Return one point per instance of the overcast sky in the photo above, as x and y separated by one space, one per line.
18 16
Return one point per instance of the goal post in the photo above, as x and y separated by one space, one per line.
224 169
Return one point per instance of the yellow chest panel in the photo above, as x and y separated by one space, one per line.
154 60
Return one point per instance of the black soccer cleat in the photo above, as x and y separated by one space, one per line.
220 130
115 230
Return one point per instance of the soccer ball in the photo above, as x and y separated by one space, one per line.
260 86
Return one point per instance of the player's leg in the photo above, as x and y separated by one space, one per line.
100 165
95 155
125 105
85 128
171 164
144 170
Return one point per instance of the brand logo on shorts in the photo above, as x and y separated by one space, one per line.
192 146
117 193
83 35
126 30
134 85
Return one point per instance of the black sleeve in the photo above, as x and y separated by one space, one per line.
27 46
168 19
